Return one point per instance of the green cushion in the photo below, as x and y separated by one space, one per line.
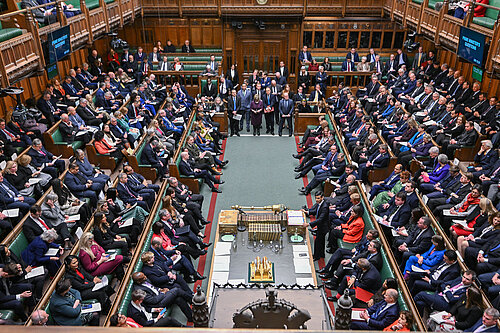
432 3
9 33
6 315
190 67
92 4
109 1
484 22
75 3
418 1
336 68
179 50
57 137
19 244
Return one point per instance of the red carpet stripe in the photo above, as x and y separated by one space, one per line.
210 217
321 262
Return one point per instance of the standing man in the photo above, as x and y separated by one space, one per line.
234 106
320 211
245 96
286 112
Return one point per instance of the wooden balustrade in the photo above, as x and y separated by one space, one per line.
412 14
113 13
430 21
127 10
168 7
355 80
79 33
449 31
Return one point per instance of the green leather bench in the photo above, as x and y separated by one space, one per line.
146 170
9 33
490 17
432 4
191 67
61 146
90 4
194 58
202 50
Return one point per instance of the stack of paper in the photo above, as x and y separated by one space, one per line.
299 248
11 212
95 307
221 264
220 277
35 272
302 266
438 317
304 281
104 282
52 252
222 248
295 217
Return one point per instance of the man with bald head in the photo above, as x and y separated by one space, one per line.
39 318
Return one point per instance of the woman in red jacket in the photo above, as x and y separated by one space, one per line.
350 232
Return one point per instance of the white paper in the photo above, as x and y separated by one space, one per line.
221 263
356 315
300 248
222 248
461 222
304 281
394 233
295 217
301 255
425 199
52 252
96 307
402 143
127 223
302 266
79 232
237 117
75 217
421 114
220 277
3 164
430 123
35 272
438 317
417 269
11 212
33 181
236 281
104 282
13 157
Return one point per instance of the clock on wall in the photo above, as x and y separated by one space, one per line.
261 2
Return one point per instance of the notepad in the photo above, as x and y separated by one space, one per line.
356 314
221 263
126 223
220 277
295 217
222 248
33 181
417 269
302 266
301 255
438 317
461 222
237 117
73 218
94 307
104 282
11 212
37 271
52 252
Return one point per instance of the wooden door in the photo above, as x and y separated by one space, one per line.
262 53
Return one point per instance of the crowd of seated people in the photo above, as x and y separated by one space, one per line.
417 115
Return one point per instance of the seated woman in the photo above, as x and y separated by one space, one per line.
415 139
68 203
93 173
488 233
463 314
82 281
477 218
317 139
350 232
188 217
119 224
118 208
105 148
95 260
66 308
25 168
420 150
403 324
439 173
427 260
107 238
163 137
304 107
122 121
112 140
385 197
203 157
20 181
35 253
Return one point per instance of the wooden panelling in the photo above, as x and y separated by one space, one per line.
271 8
325 7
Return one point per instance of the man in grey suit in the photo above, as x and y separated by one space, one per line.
286 112
245 96
214 65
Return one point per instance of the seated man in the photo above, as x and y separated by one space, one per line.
396 214
44 161
161 277
81 186
71 132
10 198
129 196
365 277
90 117
388 183
333 165
185 169
144 316
192 201
151 157
418 240
13 302
378 160
380 315
94 174
446 295
488 323
466 139
11 140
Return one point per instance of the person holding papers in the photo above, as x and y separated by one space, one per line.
37 253
81 186
21 181
71 133
107 238
96 261
90 287
45 161
120 223
70 204
380 315
66 308
474 220
10 198
144 315
349 232
118 208
403 324
93 173
464 313
433 256
54 216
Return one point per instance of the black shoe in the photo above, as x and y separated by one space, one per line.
272 133
298 176
189 279
323 270
326 276
330 250
296 156
248 130
279 134
226 162
313 232
330 286
198 276
258 132
304 192
297 169
238 134
268 131
290 134
220 182
232 134
305 207
216 190
202 252
205 245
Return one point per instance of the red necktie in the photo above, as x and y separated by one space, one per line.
43 223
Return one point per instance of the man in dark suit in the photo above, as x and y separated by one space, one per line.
34 226
187 48
353 55
153 57
81 186
41 15
380 315
44 160
452 195
446 295
348 66
10 198
269 101
377 160
390 68
283 70
488 323
144 316
225 86
444 272
397 214
388 183
234 109
138 184
466 139
156 297
417 241
185 169
214 64
484 159
286 107
69 131
89 117
192 201
401 58
150 157
49 109
365 277
305 57
129 196
210 89
320 211
371 89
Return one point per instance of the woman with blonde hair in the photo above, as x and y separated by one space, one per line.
96 261
482 235
474 220
181 215
21 181
25 168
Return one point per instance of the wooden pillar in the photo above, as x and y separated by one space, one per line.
85 11
439 27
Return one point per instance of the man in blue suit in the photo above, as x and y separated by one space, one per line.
485 159
246 98
150 157
320 211
365 276
305 57
380 315
446 295
81 186
486 324
323 171
388 183
353 55
161 277
185 169
348 66
11 199
377 160
129 196
44 161
286 106
398 213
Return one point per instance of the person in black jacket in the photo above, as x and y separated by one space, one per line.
107 238
417 241
320 211
144 315
82 281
